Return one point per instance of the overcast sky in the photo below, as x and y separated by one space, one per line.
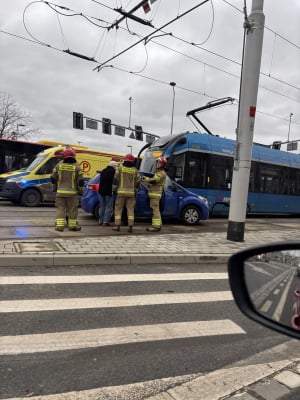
50 84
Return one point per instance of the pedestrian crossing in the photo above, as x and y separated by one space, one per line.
50 316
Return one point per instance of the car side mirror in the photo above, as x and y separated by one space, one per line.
265 283
172 188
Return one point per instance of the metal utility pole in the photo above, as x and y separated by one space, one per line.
288 139
254 26
173 84
130 101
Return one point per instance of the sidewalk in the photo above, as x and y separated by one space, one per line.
264 380
133 249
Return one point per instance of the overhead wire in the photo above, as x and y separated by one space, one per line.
25 26
211 26
266 27
187 89
272 56
62 33
89 18
142 76
148 37
36 41
101 40
156 30
159 44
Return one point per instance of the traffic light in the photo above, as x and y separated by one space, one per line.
77 120
106 126
138 132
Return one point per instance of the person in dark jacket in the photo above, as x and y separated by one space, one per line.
105 191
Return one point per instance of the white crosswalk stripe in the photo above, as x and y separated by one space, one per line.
114 336
42 279
108 302
27 299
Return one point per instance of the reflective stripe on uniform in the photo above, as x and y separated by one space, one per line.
154 193
66 191
60 222
69 168
72 223
125 190
156 222
128 170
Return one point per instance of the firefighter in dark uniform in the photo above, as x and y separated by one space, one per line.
67 180
155 188
126 183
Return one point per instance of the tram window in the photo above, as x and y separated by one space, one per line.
269 179
196 170
295 182
284 181
176 167
220 172
253 176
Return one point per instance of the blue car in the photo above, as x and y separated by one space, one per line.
176 202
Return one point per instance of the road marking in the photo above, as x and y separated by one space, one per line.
282 301
10 306
259 269
91 338
31 280
266 306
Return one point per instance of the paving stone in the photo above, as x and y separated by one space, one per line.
289 379
270 390
242 396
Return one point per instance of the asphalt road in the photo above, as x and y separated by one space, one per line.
38 222
89 328
99 303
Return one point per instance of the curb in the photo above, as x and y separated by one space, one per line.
234 381
55 260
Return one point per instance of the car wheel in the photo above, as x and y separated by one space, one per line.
191 215
31 198
96 212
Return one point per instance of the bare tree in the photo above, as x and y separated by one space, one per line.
12 117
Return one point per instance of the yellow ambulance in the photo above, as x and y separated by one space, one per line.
31 185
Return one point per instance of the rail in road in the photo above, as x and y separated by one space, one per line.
105 332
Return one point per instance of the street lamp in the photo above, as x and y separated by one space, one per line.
291 114
173 84
130 101
130 148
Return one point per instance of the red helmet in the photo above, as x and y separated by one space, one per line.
69 152
162 161
129 157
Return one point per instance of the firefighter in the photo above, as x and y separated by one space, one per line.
126 183
67 180
155 188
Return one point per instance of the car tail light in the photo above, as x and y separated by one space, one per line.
93 186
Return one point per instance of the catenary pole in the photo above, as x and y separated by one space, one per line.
248 98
